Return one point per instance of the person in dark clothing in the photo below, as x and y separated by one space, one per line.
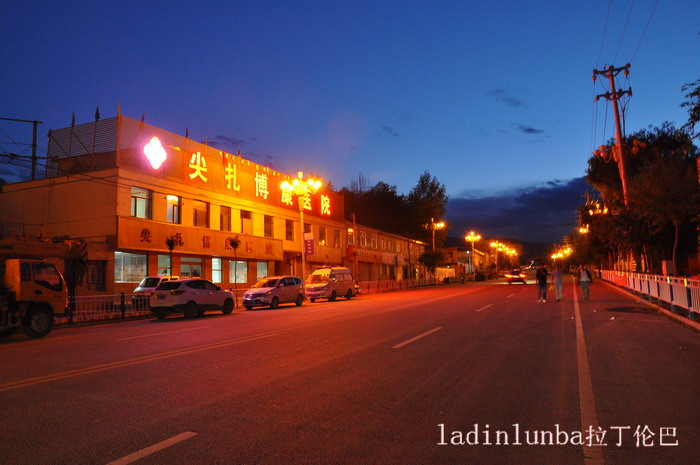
541 277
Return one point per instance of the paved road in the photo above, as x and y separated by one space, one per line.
416 377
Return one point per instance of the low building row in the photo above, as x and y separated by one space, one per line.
150 202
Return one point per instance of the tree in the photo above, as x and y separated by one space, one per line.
170 243
693 105
428 199
234 242
431 260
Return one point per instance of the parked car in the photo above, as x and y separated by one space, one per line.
329 283
191 297
274 290
148 285
516 276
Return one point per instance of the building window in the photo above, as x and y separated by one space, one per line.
130 267
383 242
373 239
307 228
336 238
351 237
321 235
164 265
238 271
216 269
190 267
289 230
363 239
225 218
269 226
261 270
200 214
95 275
141 201
173 209
246 222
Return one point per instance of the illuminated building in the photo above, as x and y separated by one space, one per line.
126 186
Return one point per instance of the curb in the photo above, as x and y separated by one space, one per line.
680 319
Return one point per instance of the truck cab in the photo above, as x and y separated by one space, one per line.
32 292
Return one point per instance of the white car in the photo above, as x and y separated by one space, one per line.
329 283
274 290
191 297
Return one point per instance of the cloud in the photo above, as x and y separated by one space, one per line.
388 131
505 97
528 129
229 144
541 213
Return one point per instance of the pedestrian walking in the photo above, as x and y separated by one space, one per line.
558 281
584 281
541 278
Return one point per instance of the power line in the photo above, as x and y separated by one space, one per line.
629 13
602 39
645 30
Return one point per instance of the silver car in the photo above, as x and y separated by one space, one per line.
191 297
274 290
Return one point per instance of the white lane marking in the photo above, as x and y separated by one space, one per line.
153 449
398 346
484 307
589 416
165 332
508 297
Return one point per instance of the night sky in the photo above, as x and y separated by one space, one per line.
496 101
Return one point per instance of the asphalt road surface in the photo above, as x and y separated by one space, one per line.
460 374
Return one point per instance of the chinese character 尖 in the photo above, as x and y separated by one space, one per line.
146 235
645 436
305 201
325 205
199 164
261 186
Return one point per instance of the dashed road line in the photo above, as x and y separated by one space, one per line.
153 449
484 307
508 297
413 339
165 332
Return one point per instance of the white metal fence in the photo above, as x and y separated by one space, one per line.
678 292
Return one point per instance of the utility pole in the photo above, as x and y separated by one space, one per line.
620 154
35 123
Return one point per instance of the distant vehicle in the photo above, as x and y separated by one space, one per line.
142 292
191 297
516 276
273 291
329 283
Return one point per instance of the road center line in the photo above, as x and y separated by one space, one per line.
398 346
153 449
165 332
484 307
589 416
508 297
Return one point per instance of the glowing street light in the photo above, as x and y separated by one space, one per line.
472 237
300 188
433 226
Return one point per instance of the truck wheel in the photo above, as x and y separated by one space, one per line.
7 332
190 310
38 322
228 307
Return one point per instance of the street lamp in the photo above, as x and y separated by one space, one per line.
433 226
300 188
472 237
499 247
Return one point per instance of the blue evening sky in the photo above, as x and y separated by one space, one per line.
487 96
